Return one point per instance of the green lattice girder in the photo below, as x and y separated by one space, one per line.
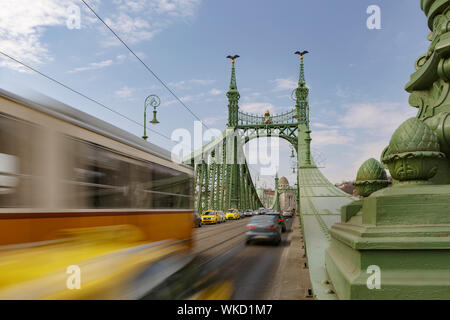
224 181
287 132
221 185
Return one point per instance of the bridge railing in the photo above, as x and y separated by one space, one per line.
245 119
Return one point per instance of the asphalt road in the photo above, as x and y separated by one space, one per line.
252 269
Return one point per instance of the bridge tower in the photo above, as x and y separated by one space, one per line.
302 114
233 109
233 98
222 176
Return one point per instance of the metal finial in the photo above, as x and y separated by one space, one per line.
301 53
233 57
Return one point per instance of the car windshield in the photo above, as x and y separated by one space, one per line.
209 213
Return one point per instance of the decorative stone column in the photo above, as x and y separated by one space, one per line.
404 231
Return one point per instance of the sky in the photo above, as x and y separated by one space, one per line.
356 75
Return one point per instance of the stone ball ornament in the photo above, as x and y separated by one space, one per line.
371 177
413 152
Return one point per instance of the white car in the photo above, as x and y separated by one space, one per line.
248 213
223 217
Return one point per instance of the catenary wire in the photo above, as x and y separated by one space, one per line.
81 94
145 65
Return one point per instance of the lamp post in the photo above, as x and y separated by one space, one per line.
152 101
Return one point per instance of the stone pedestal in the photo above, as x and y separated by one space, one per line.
407 237
399 237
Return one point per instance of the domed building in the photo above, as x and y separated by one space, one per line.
283 183
288 199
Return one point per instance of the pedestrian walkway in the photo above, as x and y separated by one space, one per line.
292 278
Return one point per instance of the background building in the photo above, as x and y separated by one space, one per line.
288 198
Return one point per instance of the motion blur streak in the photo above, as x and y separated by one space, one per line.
76 191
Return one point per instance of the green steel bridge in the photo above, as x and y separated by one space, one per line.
394 242
223 178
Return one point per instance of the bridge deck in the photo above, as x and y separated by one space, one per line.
320 203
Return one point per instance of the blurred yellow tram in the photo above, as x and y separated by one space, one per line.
87 211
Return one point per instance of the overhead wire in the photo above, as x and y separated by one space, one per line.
81 94
145 65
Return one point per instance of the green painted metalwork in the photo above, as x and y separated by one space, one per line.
319 203
222 184
404 230
371 177
276 199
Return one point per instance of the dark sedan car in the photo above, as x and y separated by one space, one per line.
281 220
263 228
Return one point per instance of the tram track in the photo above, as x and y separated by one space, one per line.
223 243
213 230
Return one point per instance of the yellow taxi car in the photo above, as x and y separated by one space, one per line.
233 214
210 217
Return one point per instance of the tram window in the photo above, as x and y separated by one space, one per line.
102 178
171 188
18 162
99 178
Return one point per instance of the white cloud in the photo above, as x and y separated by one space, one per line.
342 93
284 84
187 84
215 92
132 29
368 128
257 107
212 120
22 25
379 119
180 8
323 125
202 82
178 85
121 57
361 153
329 137
191 97
141 20
93 66
124 92
185 99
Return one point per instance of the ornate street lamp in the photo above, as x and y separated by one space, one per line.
151 101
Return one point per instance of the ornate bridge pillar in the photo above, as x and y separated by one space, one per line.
233 98
302 110
395 242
